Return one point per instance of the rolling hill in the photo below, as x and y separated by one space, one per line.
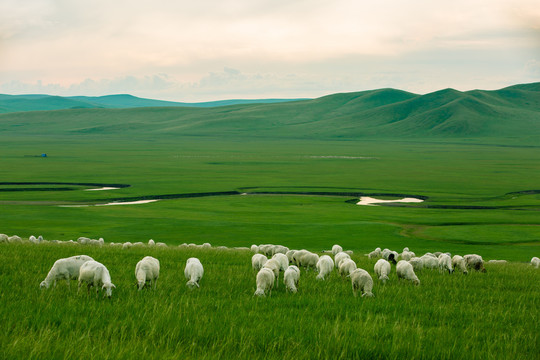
512 113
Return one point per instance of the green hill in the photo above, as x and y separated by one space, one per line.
510 113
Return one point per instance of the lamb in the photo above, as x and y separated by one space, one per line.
258 261
147 271
405 270
292 274
535 262
324 266
459 263
336 249
346 267
382 269
361 280
67 268
265 282
193 272
275 266
445 263
283 261
417 263
339 257
96 274
475 262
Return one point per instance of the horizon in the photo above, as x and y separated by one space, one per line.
235 50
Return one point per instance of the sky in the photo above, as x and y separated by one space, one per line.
250 49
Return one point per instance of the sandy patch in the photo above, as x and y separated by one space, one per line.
103 188
366 200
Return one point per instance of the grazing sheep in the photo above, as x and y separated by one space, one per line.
151 243
535 262
382 269
339 257
283 261
15 239
346 267
254 248
459 264
375 253
67 268
290 255
275 266
336 249
445 263
361 280
290 278
430 261
4 238
475 262
405 270
258 261
265 282
324 266
147 271
266 249
279 249
96 274
407 255
139 244
161 244
193 272
127 245
306 259
417 263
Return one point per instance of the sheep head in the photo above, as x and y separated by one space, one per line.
108 289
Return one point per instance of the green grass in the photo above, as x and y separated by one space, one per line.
477 316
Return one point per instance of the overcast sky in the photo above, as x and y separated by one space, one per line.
223 49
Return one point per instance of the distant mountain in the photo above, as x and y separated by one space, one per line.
16 103
512 113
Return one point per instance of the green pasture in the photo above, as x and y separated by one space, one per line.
479 316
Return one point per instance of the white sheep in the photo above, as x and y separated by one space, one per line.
407 255
127 245
324 266
336 249
339 257
275 266
266 249
290 255
147 271
390 255
4 238
445 263
405 270
346 266
375 253
459 264
193 272
67 268
417 263
265 282
254 248
258 261
430 261
282 259
96 274
361 280
306 259
15 239
475 262
279 249
535 262
290 278
382 269
151 242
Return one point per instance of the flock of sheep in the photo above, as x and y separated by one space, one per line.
268 262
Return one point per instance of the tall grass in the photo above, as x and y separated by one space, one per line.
479 316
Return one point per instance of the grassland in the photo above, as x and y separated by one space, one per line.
479 316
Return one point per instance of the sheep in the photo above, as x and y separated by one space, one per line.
258 261
151 243
274 265
445 263
290 255
306 259
265 282
417 263
15 239
346 267
430 261
147 270
290 278
407 255
266 249
324 266
206 245
336 249
193 272
4 238
139 244
390 255
382 269
126 245
339 257
254 248
282 259
67 268
279 249
475 262
161 244
535 262
361 280
405 270
459 263
96 274
375 253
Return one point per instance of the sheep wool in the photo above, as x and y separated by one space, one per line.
459 264
291 277
67 268
346 267
535 262
445 263
361 280
258 261
193 272
265 282
382 268
324 266
336 249
405 271
147 272
97 275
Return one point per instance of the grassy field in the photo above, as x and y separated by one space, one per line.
479 316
